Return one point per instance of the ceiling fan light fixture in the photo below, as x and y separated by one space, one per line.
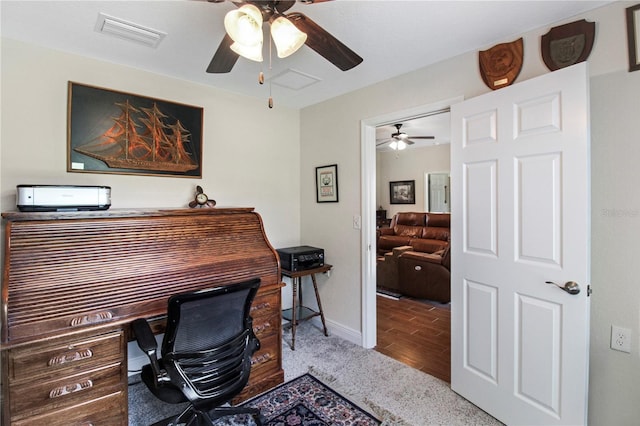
393 145
401 145
252 52
244 25
287 38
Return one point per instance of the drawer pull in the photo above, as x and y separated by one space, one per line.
92 318
261 306
70 357
66 390
261 359
262 327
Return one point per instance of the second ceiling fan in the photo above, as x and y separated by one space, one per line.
400 140
252 13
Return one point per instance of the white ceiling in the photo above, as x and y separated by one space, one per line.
393 37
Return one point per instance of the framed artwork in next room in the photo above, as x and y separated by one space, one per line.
402 192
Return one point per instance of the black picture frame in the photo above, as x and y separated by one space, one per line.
633 36
123 133
402 192
327 184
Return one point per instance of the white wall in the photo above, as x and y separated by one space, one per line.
411 164
614 377
615 152
248 160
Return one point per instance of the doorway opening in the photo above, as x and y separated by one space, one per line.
369 207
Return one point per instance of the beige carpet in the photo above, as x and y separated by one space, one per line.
396 393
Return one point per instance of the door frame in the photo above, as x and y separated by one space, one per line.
368 205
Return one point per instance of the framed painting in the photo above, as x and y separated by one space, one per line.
327 184
402 192
633 36
117 132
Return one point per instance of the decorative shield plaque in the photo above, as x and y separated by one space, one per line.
500 65
568 44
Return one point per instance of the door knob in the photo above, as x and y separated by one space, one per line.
570 287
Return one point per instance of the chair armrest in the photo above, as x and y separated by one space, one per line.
144 336
147 343
386 231
423 257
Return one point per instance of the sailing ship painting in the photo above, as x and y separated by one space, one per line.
131 134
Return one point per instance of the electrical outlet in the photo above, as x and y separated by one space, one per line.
620 339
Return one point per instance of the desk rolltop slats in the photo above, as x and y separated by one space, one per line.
70 273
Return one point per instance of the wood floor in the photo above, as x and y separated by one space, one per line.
417 334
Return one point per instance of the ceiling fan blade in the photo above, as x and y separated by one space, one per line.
224 58
283 5
324 43
422 137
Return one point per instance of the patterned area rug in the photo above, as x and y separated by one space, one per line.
305 401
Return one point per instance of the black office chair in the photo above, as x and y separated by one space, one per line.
206 352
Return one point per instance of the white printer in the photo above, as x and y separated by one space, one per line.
47 198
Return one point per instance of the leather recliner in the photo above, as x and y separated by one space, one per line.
425 275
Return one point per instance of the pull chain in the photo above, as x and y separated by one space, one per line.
270 68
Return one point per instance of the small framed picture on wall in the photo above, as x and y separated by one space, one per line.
402 192
633 36
327 184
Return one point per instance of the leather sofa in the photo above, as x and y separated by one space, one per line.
423 232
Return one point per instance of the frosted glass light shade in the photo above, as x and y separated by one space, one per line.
253 52
244 25
401 145
286 36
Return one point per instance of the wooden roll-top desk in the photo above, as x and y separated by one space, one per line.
73 281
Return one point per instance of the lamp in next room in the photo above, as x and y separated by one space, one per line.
398 145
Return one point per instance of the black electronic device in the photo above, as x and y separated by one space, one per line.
300 258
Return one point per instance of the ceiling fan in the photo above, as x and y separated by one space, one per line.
272 11
399 140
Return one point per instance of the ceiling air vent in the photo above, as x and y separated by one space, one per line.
129 31
294 79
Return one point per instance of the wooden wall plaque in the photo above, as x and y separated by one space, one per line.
501 64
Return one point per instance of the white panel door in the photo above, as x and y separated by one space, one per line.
520 213
439 192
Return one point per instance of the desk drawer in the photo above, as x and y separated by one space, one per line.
266 360
39 397
60 358
266 326
265 304
107 411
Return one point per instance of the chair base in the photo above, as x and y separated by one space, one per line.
191 416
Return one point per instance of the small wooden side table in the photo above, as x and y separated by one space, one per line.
299 312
